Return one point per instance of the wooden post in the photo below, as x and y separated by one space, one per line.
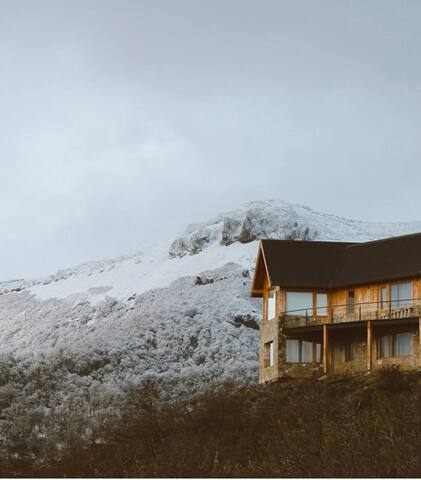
369 346
330 310
325 349
419 340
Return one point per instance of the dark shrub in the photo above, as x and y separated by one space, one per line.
391 379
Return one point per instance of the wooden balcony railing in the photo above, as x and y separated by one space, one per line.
356 312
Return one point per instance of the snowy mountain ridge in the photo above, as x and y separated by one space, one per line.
228 237
277 219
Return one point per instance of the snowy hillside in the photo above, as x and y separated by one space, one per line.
189 334
177 312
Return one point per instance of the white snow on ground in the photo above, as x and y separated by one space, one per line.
151 269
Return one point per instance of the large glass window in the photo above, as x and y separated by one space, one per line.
306 352
271 305
397 345
299 303
318 352
401 294
293 351
321 303
301 351
402 344
383 298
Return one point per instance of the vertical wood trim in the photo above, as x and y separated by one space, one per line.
259 253
412 293
314 304
266 265
419 340
325 349
369 346
330 306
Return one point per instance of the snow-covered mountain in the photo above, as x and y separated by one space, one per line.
178 312
229 237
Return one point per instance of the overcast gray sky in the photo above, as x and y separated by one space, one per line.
123 121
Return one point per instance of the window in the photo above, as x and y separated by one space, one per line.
351 301
293 351
301 351
321 304
397 345
402 344
401 294
268 354
307 352
383 298
271 305
349 354
300 303
318 352
384 349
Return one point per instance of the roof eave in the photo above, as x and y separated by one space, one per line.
257 290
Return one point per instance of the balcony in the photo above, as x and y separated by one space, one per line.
352 313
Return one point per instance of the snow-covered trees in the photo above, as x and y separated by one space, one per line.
62 358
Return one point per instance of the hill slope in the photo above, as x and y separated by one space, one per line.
339 426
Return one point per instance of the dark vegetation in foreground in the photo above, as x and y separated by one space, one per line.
340 426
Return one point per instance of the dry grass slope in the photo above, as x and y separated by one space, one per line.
342 426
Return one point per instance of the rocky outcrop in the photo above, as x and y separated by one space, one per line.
276 219
254 221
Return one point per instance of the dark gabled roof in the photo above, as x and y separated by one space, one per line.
302 264
371 262
325 265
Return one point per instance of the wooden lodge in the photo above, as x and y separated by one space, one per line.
334 307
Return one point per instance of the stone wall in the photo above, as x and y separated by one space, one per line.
337 342
269 332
